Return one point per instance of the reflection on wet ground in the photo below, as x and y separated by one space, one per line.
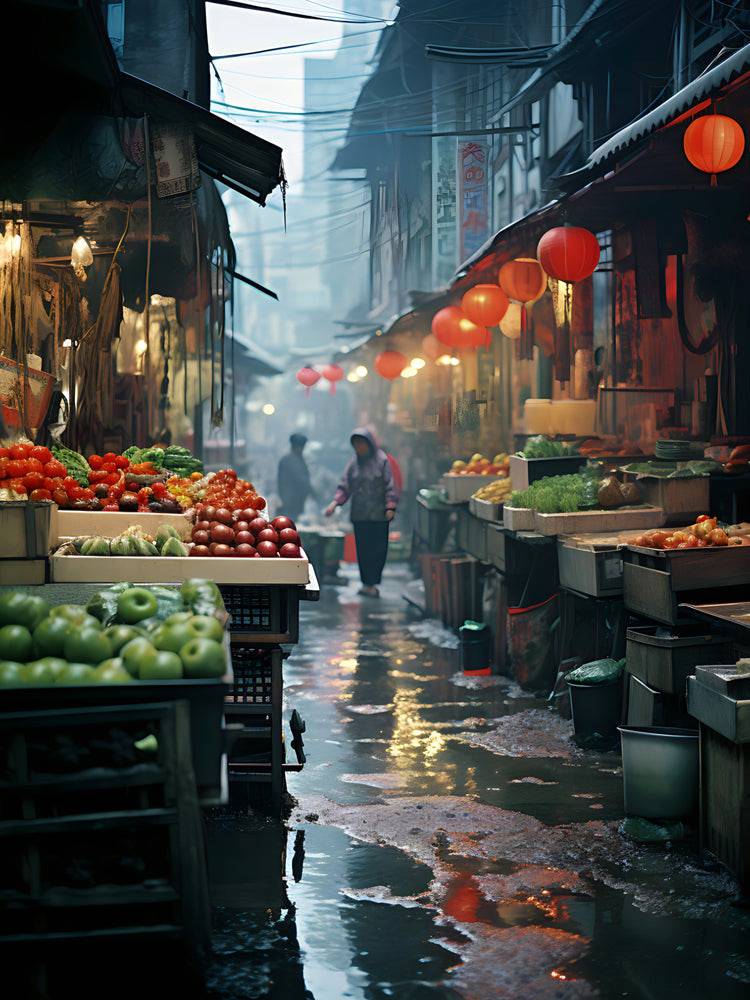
451 841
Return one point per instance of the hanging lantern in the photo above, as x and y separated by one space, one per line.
485 305
568 253
714 143
445 325
510 324
308 377
470 335
334 374
431 347
524 281
390 364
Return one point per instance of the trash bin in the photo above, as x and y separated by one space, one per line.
474 648
596 708
659 771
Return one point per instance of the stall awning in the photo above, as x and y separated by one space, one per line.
253 359
243 161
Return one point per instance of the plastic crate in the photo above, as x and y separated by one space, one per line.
266 615
253 676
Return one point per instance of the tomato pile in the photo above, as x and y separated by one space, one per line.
30 470
701 535
226 490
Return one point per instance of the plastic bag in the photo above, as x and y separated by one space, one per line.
604 671
531 643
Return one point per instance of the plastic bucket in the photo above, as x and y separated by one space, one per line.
659 771
474 650
596 708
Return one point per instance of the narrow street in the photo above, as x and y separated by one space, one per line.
451 841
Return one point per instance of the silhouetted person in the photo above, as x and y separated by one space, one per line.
294 478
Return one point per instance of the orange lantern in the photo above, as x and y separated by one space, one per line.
524 281
485 305
390 364
470 334
334 374
445 325
568 253
308 377
714 143
431 347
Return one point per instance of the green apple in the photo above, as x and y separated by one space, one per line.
135 604
16 643
18 608
162 666
86 645
172 637
119 635
205 627
37 674
50 635
10 673
203 658
75 613
133 653
111 672
55 663
178 618
76 673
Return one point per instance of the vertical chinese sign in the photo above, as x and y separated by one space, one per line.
473 197
444 210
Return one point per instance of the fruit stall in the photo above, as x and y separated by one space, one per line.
143 608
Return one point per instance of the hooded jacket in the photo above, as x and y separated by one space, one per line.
368 482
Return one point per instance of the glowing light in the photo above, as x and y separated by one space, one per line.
269 409
352 377
444 359
417 363
67 342
140 347
361 370
408 372
555 974
454 362
81 257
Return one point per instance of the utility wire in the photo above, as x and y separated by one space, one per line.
365 19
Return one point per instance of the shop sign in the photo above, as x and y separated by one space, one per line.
473 197
176 160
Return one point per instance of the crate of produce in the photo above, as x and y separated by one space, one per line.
518 518
460 488
656 581
28 529
681 498
485 510
524 471
590 564
665 658
109 523
102 838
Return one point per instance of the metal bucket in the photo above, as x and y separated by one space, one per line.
659 771
596 708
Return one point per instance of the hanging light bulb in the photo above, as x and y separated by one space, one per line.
81 257
408 372
352 377
269 409
417 363
140 348
361 371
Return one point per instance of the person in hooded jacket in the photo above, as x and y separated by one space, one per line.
368 483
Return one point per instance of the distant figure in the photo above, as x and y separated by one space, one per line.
368 482
398 479
294 479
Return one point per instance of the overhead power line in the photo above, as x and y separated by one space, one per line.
365 19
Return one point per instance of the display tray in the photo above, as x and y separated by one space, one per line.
524 471
581 521
109 523
690 569
485 510
460 489
165 569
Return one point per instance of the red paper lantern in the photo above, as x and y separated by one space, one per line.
308 377
485 305
445 325
714 143
390 364
471 334
523 279
568 253
431 347
334 374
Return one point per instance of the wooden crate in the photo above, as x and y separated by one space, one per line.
595 570
165 569
28 530
681 499
109 523
485 510
725 801
23 572
460 489
518 518
583 521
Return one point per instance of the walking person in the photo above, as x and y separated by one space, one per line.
294 478
368 483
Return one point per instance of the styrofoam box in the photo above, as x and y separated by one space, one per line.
518 518
166 569
109 523
462 488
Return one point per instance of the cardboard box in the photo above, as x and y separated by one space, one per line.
109 523
462 488
165 569
23 572
28 530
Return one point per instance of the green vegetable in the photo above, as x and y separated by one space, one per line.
76 464
164 532
543 447
138 455
174 547
559 494
145 548
95 547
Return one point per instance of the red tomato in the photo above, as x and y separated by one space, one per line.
40 495
55 470
95 461
109 457
17 485
121 462
20 451
75 492
98 476
60 496
15 469
33 481
159 490
112 478
144 495
108 467
87 494
51 483
4 452
260 503
42 454
34 465
4 462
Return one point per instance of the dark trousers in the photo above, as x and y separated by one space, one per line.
372 548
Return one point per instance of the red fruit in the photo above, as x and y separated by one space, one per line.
33 481
203 525
267 550
109 457
17 485
280 523
40 495
212 547
200 537
55 469
257 525
267 535
111 478
20 451
240 526
288 536
108 467
222 533
41 453
244 538
60 496
222 551
224 515
121 462
4 452
245 551
111 506
34 465
290 551
199 550
16 468
248 514
260 503
95 461
209 513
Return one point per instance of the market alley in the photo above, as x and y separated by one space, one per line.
450 840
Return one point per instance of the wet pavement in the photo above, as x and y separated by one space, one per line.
451 841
